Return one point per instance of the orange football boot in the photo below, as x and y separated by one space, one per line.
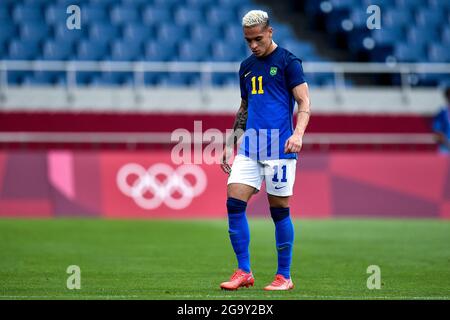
239 279
280 283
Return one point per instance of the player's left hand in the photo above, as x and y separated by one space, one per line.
293 144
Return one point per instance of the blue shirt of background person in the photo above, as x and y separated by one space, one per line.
441 125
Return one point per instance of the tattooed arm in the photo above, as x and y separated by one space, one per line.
238 130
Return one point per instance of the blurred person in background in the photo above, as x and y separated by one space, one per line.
441 124
271 81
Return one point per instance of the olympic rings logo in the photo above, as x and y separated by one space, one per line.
146 182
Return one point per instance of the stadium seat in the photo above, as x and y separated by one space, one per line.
91 50
138 33
56 14
219 16
233 33
187 16
103 32
430 17
29 13
43 78
405 52
388 36
233 3
64 34
282 32
112 79
199 3
93 13
422 35
193 51
34 31
439 53
445 35
57 50
206 33
23 50
383 4
123 14
159 51
440 4
409 4
226 51
170 4
300 49
5 15
153 16
397 18
8 32
180 79
17 77
125 50
171 33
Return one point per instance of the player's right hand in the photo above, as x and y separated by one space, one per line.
225 156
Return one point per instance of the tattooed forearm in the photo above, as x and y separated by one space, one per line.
240 123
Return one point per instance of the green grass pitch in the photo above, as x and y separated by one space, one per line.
187 259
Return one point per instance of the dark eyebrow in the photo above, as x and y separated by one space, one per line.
248 39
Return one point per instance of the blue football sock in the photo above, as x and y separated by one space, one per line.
239 232
284 236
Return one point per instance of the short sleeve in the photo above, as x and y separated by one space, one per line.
244 93
294 73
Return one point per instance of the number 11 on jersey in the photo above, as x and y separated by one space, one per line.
260 90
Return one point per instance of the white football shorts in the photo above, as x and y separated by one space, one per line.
279 174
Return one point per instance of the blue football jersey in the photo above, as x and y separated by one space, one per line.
266 84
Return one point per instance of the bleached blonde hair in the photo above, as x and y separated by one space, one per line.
255 18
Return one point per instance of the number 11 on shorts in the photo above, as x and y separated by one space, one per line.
275 174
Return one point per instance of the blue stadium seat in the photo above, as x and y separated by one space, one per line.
300 49
218 16
3 50
64 34
170 4
17 77
123 14
8 32
93 13
56 14
152 78
112 79
91 50
5 15
158 51
199 3
193 51
383 4
72 2
422 35
154 16
439 53
57 50
35 2
445 35
180 79
125 50
442 4
226 51
103 32
233 3
187 16
282 32
23 50
397 18
225 79
138 33
233 33
171 33
409 4
29 13
108 3
43 78
36 31
85 78
358 17
388 36
430 17
344 4
406 52
206 33
136 2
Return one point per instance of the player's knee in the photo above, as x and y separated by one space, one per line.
236 205
279 214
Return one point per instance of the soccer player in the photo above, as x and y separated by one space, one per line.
441 125
271 81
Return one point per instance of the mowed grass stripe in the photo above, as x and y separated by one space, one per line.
187 259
